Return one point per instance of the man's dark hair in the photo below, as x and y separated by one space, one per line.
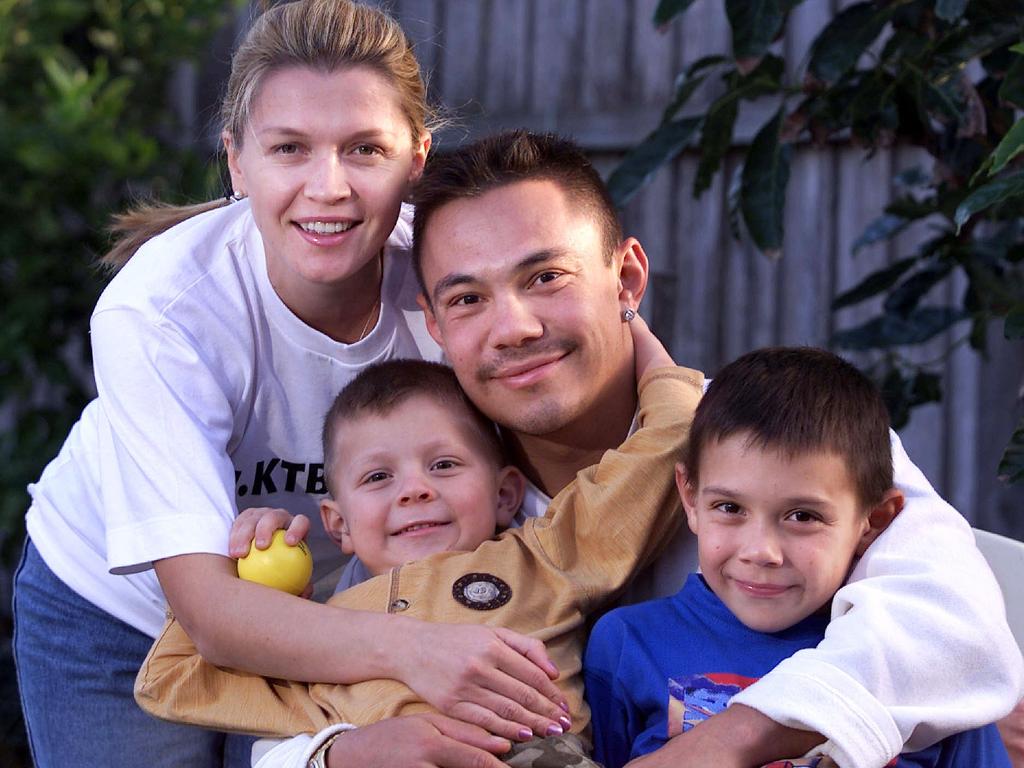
380 388
503 159
799 400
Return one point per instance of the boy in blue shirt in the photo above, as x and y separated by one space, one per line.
787 478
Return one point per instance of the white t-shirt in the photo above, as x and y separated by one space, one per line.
211 399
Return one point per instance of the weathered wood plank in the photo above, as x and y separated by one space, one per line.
808 253
421 22
606 69
508 57
459 69
557 60
699 256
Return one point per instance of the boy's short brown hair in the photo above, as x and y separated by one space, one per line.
799 400
378 389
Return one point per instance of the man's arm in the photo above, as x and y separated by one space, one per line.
918 647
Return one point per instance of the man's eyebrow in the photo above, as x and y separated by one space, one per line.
528 262
450 281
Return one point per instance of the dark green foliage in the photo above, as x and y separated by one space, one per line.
85 128
763 186
882 72
1011 468
645 159
902 392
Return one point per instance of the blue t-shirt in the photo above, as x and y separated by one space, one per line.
654 670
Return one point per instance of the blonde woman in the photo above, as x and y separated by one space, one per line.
218 346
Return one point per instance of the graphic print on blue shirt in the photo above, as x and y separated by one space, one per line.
692 699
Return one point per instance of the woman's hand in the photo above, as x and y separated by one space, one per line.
490 677
417 741
648 352
259 524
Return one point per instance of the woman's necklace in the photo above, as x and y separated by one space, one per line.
377 303
369 317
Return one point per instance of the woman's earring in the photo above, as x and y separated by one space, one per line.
628 315
236 196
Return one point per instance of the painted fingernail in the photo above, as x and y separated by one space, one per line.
564 705
555 730
525 734
566 723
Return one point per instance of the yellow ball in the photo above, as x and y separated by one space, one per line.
280 565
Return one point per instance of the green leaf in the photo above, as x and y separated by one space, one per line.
1014 326
1011 145
988 195
873 284
894 389
1011 466
755 24
901 393
716 134
896 330
763 188
950 10
668 10
1012 90
734 203
688 82
715 140
648 156
845 38
1017 48
906 296
979 336
884 227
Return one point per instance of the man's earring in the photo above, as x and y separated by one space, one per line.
628 315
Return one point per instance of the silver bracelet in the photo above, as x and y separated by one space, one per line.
319 758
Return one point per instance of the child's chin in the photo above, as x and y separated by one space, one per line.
766 624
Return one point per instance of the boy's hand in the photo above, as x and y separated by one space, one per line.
259 523
490 677
1011 728
738 737
417 741
649 353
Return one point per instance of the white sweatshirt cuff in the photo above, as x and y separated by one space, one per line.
295 752
810 695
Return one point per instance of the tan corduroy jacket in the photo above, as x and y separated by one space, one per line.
597 533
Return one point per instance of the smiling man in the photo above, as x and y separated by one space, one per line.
528 284
526 288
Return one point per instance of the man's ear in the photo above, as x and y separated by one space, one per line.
335 524
419 156
237 177
633 272
431 320
688 496
511 489
879 517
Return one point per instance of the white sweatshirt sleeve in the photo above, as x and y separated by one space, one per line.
295 752
918 646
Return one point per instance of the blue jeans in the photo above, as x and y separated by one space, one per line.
76 668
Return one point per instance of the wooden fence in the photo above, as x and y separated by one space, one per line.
598 70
